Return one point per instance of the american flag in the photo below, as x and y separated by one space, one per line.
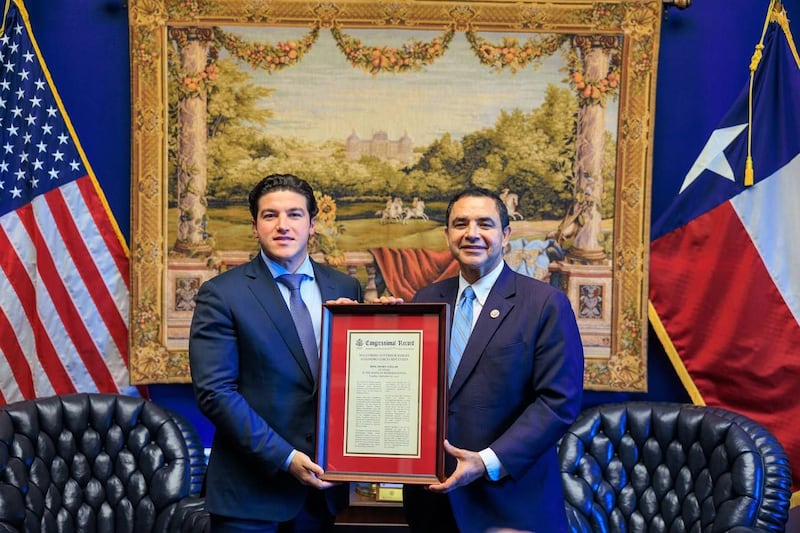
63 262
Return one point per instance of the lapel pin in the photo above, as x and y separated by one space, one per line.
495 313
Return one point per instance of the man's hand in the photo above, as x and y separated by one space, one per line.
469 467
387 300
342 300
307 471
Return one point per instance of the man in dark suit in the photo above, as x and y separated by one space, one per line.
515 390
255 381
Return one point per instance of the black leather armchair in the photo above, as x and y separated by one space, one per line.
97 462
656 467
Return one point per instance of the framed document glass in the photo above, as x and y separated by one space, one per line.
382 390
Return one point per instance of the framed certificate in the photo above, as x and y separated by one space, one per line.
382 392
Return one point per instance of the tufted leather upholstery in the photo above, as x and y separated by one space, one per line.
656 467
197 456
96 462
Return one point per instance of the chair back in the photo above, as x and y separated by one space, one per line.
91 462
649 466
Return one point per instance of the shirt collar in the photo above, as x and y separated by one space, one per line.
483 286
277 270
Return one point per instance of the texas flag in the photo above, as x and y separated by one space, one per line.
725 257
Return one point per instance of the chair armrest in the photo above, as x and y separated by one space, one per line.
190 516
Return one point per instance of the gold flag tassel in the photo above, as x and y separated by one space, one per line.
754 62
775 13
5 14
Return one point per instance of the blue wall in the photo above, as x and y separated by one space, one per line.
703 64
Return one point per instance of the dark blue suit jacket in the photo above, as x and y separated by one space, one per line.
252 380
517 390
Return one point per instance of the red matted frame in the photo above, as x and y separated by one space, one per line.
343 324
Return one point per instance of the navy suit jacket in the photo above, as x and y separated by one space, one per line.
252 380
517 389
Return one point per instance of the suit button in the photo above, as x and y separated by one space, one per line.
309 437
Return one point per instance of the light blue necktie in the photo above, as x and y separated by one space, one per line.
462 327
302 319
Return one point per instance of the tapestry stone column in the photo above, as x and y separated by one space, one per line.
192 142
590 148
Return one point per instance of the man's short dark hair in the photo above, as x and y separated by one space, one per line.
283 182
479 192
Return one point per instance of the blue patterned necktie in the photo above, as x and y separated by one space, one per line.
462 327
302 320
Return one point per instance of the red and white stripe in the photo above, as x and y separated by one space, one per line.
64 302
726 288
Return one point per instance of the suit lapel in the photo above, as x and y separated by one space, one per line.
327 287
266 291
497 307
